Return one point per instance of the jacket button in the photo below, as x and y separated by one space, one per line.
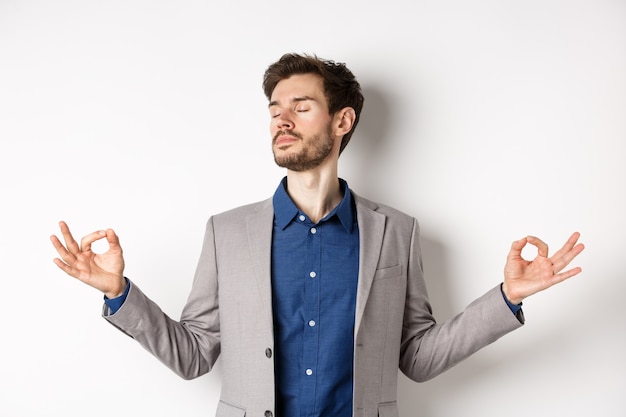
268 353
268 413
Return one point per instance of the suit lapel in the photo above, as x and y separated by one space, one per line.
260 225
371 232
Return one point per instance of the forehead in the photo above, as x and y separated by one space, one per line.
296 86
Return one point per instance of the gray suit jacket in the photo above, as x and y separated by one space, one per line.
229 312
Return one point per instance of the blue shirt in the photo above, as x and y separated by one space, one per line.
314 284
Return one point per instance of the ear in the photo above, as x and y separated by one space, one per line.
344 121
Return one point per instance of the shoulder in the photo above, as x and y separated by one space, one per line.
364 204
238 214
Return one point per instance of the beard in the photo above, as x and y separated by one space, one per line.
314 150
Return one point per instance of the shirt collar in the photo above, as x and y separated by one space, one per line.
285 210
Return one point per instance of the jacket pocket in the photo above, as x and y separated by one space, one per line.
227 410
391 272
389 409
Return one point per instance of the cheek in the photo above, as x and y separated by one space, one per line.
273 128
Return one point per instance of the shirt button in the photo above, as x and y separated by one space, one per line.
313 230
302 218
312 274
268 413
309 372
311 323
268 352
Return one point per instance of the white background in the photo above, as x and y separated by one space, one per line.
487 120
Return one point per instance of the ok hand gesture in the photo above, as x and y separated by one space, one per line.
105 271
523 278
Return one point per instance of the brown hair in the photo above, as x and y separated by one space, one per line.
341 88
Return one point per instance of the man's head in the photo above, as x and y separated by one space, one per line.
340 87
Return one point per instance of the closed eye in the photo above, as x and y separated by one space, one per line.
274 112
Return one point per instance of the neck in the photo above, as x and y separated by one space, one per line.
315 193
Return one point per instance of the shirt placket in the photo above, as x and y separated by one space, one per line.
311 318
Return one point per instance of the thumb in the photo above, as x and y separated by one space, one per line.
113 240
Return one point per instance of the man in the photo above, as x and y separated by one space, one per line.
314 297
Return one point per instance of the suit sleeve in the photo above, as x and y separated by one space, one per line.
190 346
428 348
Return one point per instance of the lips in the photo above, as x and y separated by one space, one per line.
282 138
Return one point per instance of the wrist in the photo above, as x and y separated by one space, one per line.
118 290
510 297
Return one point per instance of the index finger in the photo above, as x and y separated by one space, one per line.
542 247
85 243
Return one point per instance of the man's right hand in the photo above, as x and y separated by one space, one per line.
104 272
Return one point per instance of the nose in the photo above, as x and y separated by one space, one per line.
284 121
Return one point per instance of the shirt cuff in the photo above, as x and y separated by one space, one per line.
115 304
514 307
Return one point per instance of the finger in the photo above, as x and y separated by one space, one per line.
571 242
69 269
63 266
85 242
113 240
565 275
68 258
542 247
70 243
564 256
516 249
569 251
58 246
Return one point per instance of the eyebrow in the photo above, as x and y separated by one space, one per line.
293 100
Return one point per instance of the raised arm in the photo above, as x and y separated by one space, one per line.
104 272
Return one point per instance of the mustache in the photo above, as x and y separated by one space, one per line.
286 132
